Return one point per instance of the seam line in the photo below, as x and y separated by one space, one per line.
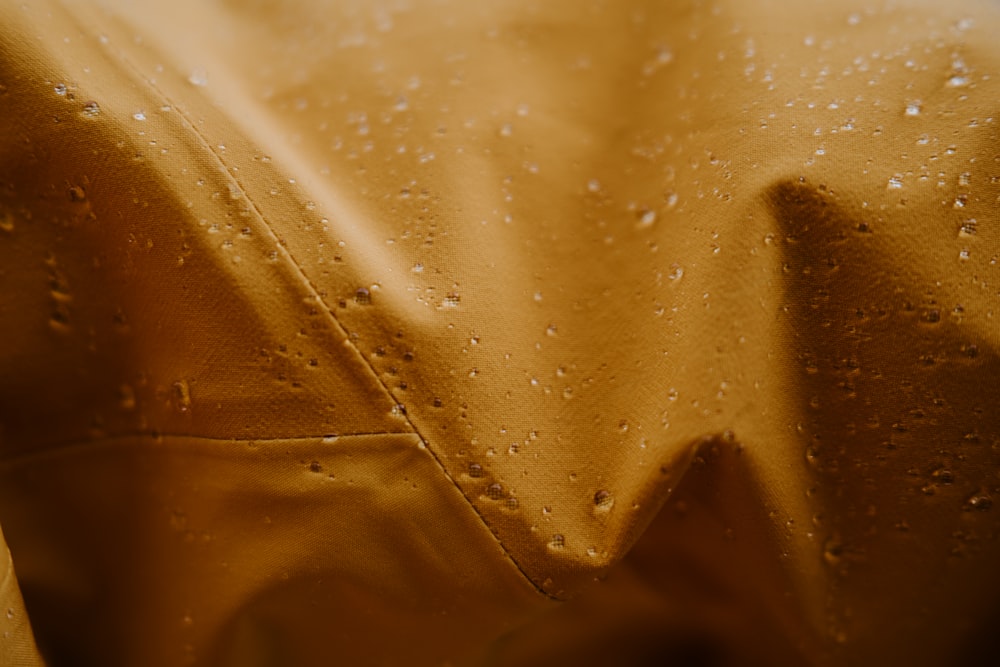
309 284
55 447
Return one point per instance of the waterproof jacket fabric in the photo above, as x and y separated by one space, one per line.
436 332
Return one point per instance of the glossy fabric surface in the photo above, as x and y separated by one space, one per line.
514 333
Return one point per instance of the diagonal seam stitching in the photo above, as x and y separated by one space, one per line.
312 288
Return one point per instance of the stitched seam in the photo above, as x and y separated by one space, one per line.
343 330
124 435
82 443
305 278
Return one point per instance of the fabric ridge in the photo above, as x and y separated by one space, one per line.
438 333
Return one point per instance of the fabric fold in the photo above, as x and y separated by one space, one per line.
385 325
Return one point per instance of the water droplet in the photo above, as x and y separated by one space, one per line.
418 268
451 300
594 185
139 115
833 552
60 89
943 476
362 296
91 110
980 500
647 218
198 77
676 272
551 330
604 500
896 182
968 228
330 438
315 467
913 108
126 397
957 81
76 193
557 541
494 491
182 396
475 470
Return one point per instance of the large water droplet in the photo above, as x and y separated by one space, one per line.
91 110
604 500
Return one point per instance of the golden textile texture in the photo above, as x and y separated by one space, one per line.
441 332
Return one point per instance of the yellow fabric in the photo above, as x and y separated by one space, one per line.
17 646
520 333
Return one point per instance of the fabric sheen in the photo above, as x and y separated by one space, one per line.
432 332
